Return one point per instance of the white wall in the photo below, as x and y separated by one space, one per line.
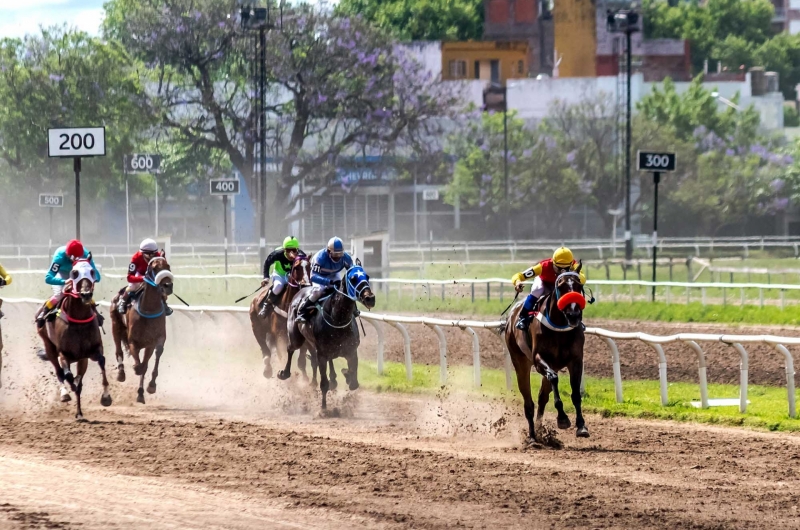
429 54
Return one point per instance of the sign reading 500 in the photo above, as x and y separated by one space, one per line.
76 141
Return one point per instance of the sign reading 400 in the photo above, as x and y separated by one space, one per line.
224 186
74 142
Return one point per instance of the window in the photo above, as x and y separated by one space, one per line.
494 65
520 67
458 69
477 69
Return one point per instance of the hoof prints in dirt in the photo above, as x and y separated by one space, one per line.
546 438
30 519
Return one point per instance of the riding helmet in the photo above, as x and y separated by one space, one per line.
148 245
290 243
563 258
75 249
335 248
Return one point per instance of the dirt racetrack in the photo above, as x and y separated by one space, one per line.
220 447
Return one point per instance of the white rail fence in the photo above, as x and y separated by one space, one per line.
692 340
488 289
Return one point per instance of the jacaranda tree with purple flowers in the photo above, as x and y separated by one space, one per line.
337 86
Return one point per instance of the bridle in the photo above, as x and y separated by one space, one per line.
571 274
300 263
150 279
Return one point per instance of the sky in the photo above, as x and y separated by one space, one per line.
19 17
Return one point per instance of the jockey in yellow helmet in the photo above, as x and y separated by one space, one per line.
545 273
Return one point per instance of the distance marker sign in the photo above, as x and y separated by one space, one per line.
76 141
47 200
224 186
656 162
141 163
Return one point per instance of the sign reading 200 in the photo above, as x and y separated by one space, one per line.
73 142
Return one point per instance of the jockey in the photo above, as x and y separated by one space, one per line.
545 272
327 268
5 279
280 261
137 270
58 274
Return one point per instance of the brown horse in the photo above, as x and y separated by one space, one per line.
270 332
145 324
74 337
553 342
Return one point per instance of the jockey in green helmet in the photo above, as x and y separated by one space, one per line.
280 262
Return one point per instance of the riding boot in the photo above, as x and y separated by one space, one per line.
167 309
40 317
268 303
122 304
526 313
304 311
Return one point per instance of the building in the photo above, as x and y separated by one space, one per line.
575 34
523 20
487 61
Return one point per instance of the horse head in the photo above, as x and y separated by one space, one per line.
358 287
570 298
300 275
83 278
159 275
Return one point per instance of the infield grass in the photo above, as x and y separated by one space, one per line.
768 407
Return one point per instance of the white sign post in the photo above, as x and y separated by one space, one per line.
75 143
224 187
50 201
138 163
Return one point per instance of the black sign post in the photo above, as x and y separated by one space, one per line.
225 187
657 163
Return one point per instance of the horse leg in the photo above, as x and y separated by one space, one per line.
314 366
67 381
78 387
100 359
333 384
324 383
151 388
266 354
575 376
351 372
544 397
562 420
138 367
286 373
117 334
523 369
302 360
148 352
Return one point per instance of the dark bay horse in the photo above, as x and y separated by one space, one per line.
332 331
271 332
144 326
555 342
74 336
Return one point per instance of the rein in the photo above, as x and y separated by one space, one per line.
149 279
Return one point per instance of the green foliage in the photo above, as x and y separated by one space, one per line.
64 78
709 23
421 19
536 172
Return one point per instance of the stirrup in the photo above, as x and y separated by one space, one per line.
524 321
122 307
264 309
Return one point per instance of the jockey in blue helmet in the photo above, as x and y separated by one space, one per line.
327 270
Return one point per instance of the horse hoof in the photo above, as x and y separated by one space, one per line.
333 385
140 396
582 432
151 388
41 354
139 369
105 401
283 375
79 418
354 385
65 398
563 423
121 376
267 370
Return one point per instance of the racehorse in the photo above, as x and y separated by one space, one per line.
270 332
74 336
145 324
332 331
553 341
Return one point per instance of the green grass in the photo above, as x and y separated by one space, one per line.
768 408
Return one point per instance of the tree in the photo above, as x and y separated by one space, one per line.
337 86
708 23
696 108
421 19
64 78
538 174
